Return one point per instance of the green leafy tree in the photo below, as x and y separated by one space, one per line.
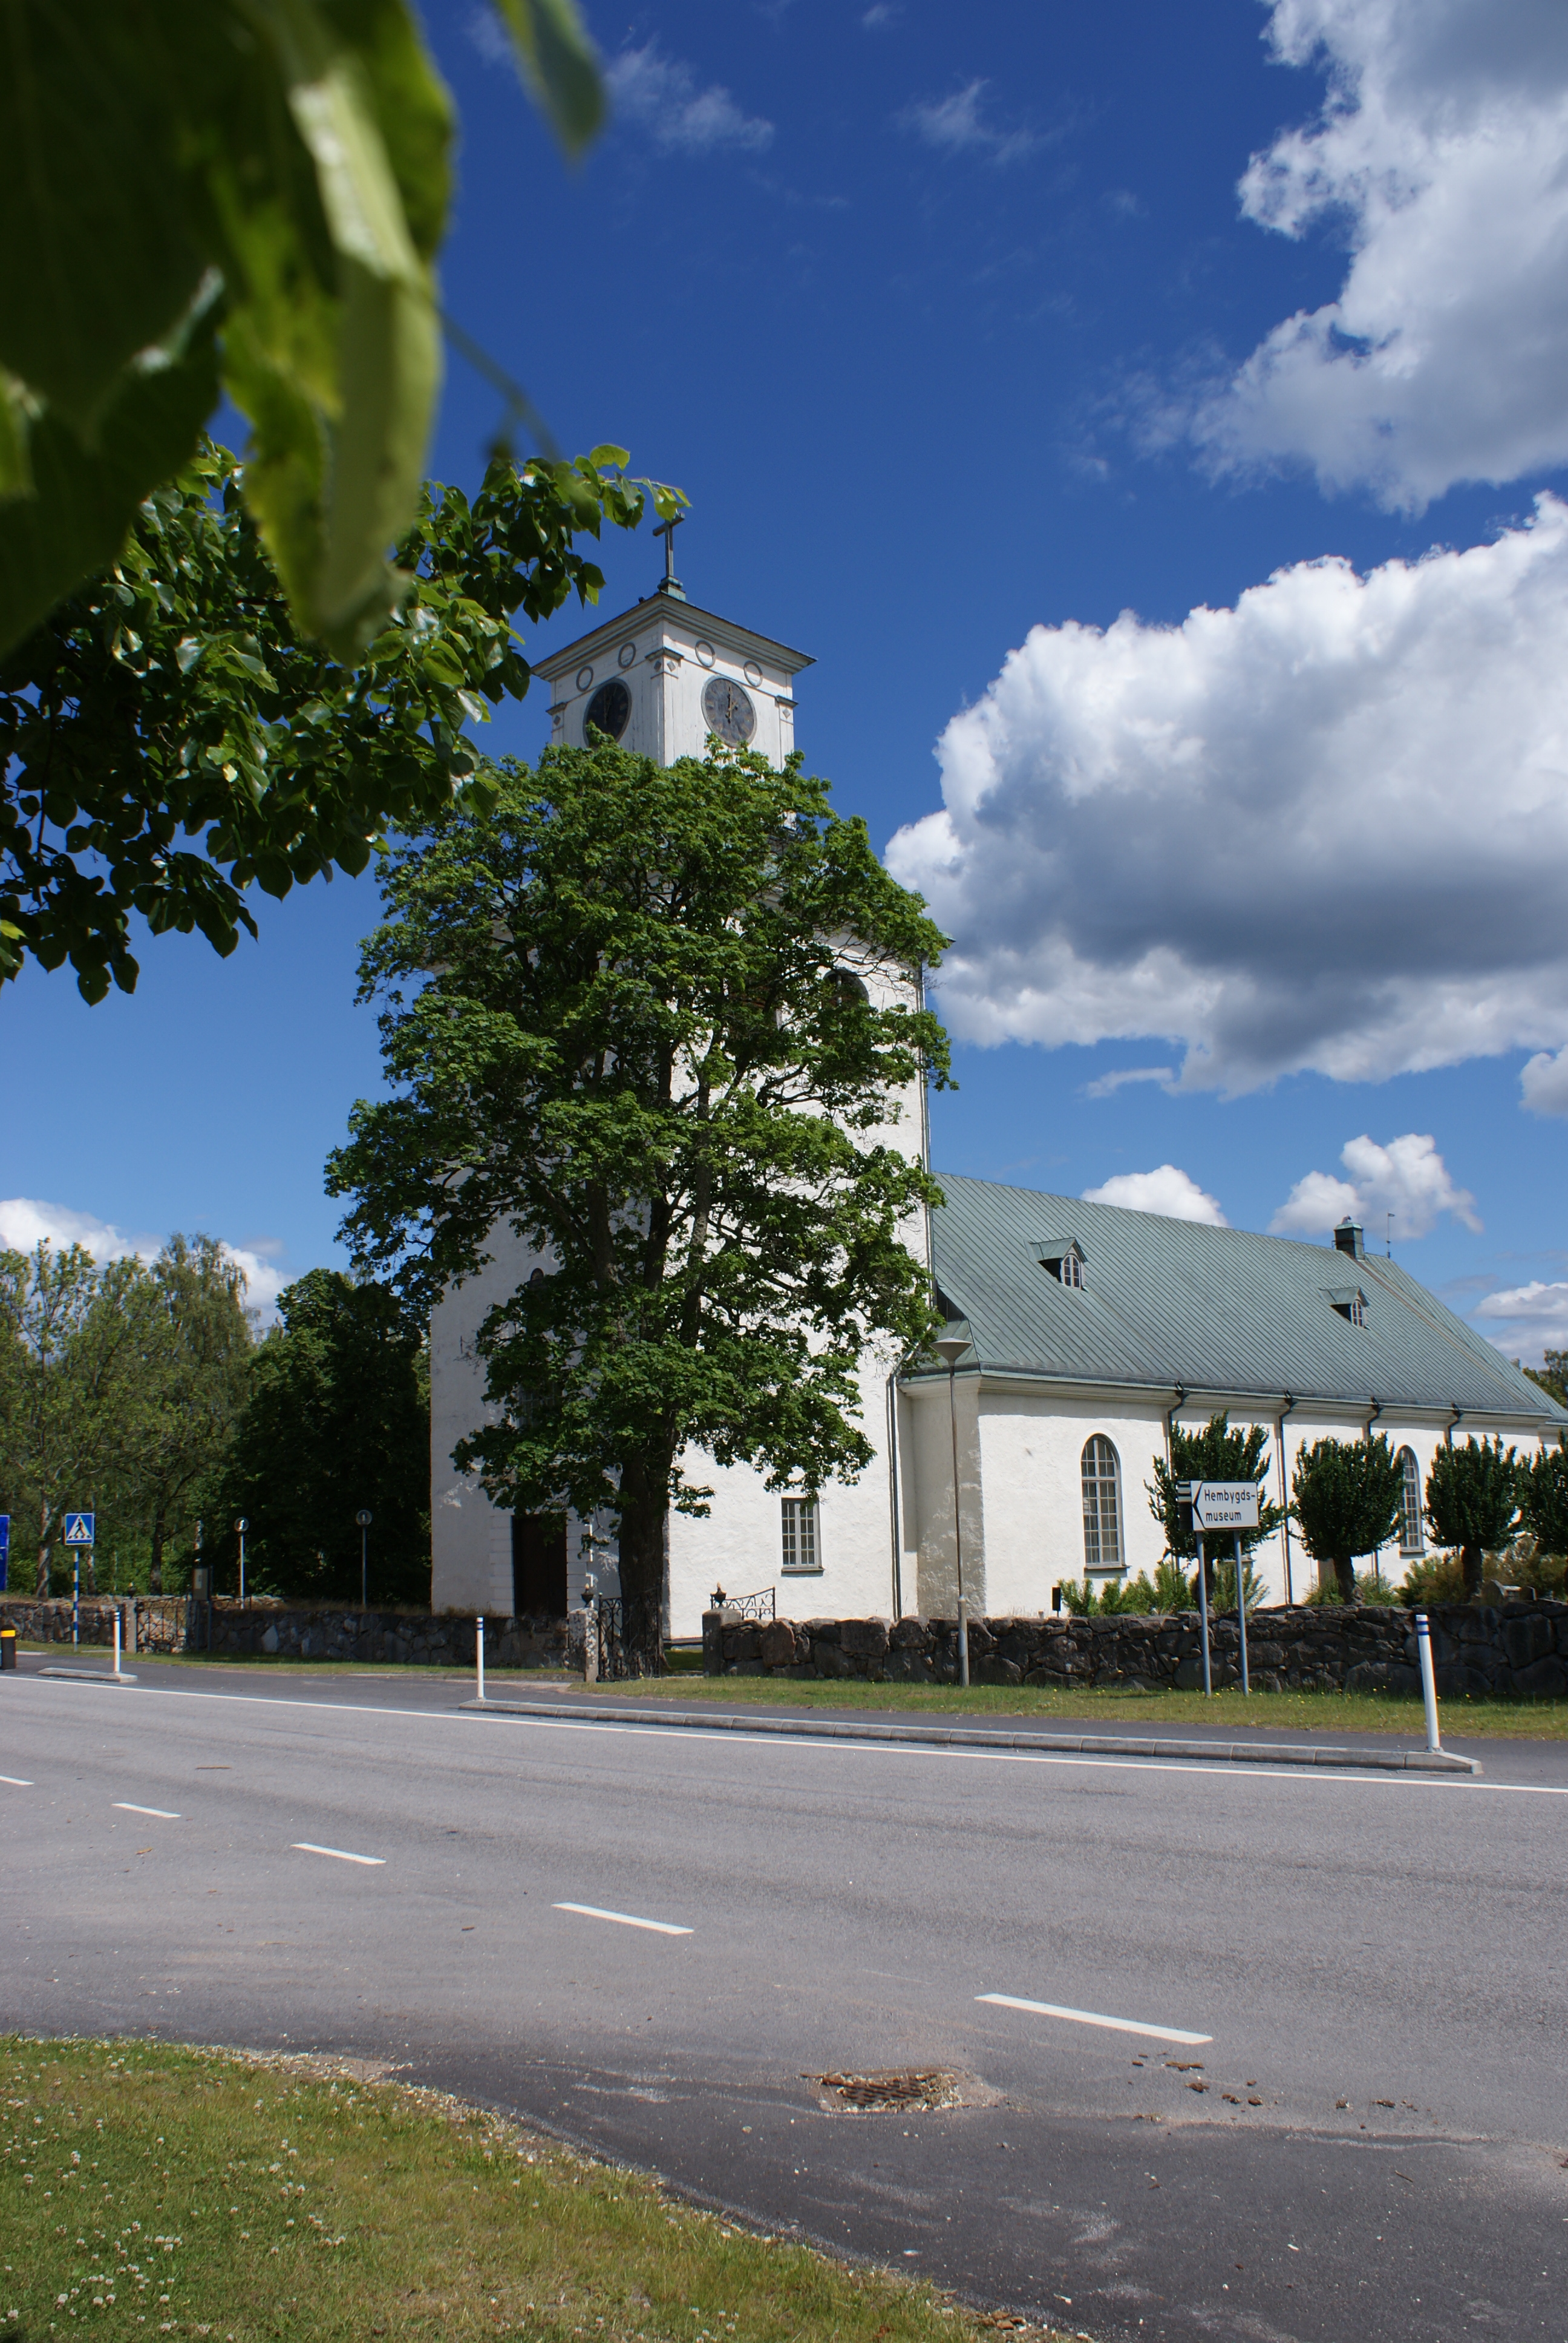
192 1343
1473 1502
1543 1499
1214 1453
244 194
623 1019
68 1369
173 699
1551 1375
1346 1499
336 1419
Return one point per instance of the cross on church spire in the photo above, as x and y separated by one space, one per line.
669 583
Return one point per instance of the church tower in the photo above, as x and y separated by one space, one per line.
664 674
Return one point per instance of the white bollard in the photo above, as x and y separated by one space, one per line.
1428 1679
479 1653
117 1639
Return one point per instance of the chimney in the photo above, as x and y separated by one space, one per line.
1349 1237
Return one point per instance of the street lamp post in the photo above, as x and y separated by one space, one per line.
363 1518
242 1525
949 1349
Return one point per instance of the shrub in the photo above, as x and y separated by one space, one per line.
1435 1578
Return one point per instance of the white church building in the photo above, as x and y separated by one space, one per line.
1092 1330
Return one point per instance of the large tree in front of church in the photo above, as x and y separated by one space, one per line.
623 1017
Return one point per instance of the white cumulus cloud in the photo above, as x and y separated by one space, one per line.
1407 1178
1544 1083
27 1223
1327 829
1441 155
664 97
1165 1190
1531 1319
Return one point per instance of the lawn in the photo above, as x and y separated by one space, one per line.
148 2191
1328 1716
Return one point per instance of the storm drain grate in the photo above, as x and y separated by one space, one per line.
886 2094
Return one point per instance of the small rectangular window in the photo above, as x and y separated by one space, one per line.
801 1547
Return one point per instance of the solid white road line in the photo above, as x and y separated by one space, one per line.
626 1920
341 1852
1094 2017
15 1780
159 1813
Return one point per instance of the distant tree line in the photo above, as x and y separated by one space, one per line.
142 1391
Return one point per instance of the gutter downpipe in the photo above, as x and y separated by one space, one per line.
1179 1402
1457 1417
894 1488
1366 1436
1289 1408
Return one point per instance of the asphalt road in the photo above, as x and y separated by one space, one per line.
1376 1963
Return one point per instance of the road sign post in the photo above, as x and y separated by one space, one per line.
79 1528
4 1550
1218 1506
363 1520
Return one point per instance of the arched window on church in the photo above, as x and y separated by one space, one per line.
1410 1537
1102 1506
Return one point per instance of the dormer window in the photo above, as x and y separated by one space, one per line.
1063 1256
1352 1304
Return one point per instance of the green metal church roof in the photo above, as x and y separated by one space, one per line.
1168 1303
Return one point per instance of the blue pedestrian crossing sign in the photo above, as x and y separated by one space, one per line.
78 1529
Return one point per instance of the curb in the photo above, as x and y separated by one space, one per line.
1244 1753
86 1676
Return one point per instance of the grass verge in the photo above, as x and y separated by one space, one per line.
1329 1715
148 2191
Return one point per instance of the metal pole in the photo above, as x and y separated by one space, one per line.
1203 1618
1428 1679
240 1527
958 1532
75 1595
1241 1610
480 1652
364 1568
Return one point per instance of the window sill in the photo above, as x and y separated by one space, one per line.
799 1569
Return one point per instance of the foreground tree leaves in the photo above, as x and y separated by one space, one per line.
627 1021
255 187
174 699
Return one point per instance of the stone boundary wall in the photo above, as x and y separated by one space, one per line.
1519 1648
294 1631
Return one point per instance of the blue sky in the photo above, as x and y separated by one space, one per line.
957 324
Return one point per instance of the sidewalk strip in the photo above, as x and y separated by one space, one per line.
1094 2017
626 1920
339 1854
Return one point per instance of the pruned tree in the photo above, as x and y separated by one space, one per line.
1543 1499
625 1019
1473 1502
1346 1496
1214 1453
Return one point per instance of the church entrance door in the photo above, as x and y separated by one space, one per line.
538 1566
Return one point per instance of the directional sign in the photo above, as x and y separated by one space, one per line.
1224 1505
78 1529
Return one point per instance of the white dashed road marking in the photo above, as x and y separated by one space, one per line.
341 1854
15 1780
1094 2017
159 1813
626 1920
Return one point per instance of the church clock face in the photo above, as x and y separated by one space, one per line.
729 710
609 709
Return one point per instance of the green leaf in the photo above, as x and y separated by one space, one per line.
84 499
603 458
102 250
558 67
